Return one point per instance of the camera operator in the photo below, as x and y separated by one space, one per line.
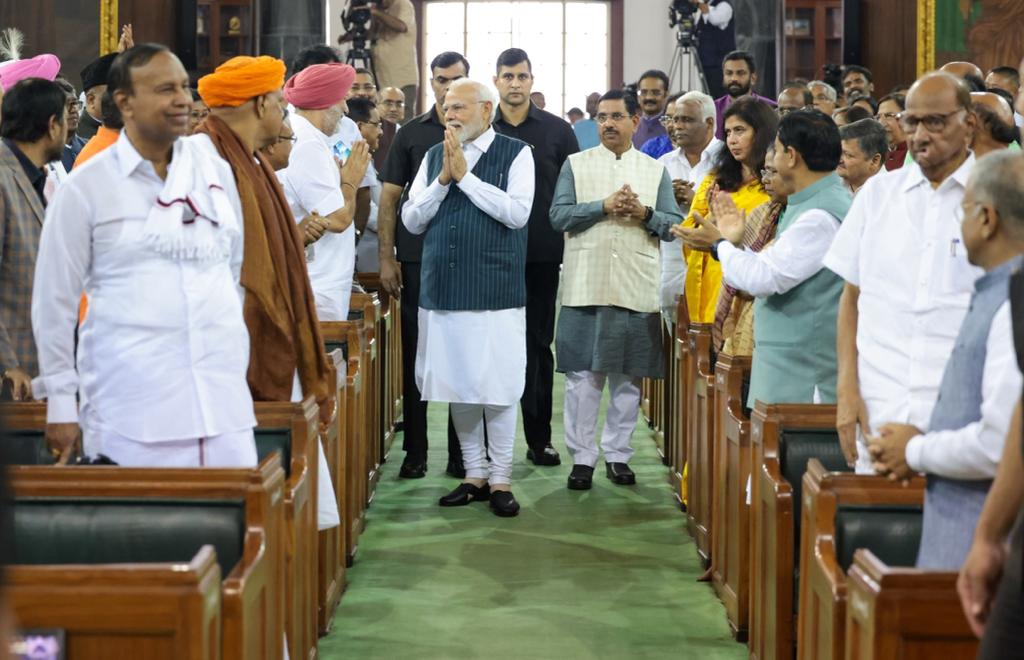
394 48
715 30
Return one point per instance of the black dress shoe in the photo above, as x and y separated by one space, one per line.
412 468
581 477
456 469
620 474
503 504
465 494
548 456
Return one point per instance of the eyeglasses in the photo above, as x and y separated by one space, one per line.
603 118
200 115
888 115
767 173
934 123
665 120
393 104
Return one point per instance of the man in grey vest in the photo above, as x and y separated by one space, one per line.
796 297
471 199
615 204
960 453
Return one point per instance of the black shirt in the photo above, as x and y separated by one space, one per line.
403 162
553 140
36 175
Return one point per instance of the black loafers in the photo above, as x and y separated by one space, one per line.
503 504
548 456
412 468
620 474
465 494
581 477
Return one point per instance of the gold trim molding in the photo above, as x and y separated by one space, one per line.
109 35
925 36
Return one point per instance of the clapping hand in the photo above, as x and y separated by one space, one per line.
625 203
313 227
127 38
683 191
454 160
354 169
731 219
701 237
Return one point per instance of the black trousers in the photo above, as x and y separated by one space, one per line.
414 415
541 290
1004 631
713 74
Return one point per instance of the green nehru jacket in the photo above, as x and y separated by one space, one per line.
795 332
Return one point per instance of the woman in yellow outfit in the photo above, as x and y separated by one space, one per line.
750 127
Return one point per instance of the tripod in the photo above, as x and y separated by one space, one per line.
686 69
359 56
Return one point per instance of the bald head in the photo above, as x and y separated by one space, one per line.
994 102
993 206
998 179
963 69
937 88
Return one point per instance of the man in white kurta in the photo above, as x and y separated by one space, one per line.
472 198
908 281
161 372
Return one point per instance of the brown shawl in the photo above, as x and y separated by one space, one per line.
284 334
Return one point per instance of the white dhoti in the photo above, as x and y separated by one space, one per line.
327 515
226 450
476 361
583 390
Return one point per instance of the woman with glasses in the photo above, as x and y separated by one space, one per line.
749 130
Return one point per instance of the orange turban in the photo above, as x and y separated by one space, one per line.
240 79
319 86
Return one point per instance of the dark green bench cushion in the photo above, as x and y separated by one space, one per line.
63 530
891 532
355 314
269 440
333 345
27 447
796 447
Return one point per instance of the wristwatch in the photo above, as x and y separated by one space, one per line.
714 248
649 214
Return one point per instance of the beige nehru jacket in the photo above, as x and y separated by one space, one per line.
616 262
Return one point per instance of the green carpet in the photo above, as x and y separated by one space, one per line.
606 573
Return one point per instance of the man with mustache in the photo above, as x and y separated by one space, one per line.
652 92
739 75
614 204
471 201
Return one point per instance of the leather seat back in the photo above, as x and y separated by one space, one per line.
269 440
67 530
27 447
891 532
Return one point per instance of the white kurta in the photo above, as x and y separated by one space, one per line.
473 356
165 352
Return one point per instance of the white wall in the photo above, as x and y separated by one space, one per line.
648 42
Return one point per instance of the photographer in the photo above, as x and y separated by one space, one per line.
394 48
715 30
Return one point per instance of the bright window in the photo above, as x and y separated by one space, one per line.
567 43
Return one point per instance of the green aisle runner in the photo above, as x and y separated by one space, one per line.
607 573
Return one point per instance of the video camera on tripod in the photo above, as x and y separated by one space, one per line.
356 20
680 16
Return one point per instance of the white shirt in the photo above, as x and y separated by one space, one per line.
974 451
793 258
510 207
312 182
719 15
901 245
164 352
673 266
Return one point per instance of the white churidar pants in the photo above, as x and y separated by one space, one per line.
469 420
583 391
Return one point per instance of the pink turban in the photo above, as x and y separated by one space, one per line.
44 66
319 86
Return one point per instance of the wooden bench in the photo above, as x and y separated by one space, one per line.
331 557
390 351
680 363
352 502
369 307
292 430
116 515
843 512
700 433
158 611
783 438
904 613
730 547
